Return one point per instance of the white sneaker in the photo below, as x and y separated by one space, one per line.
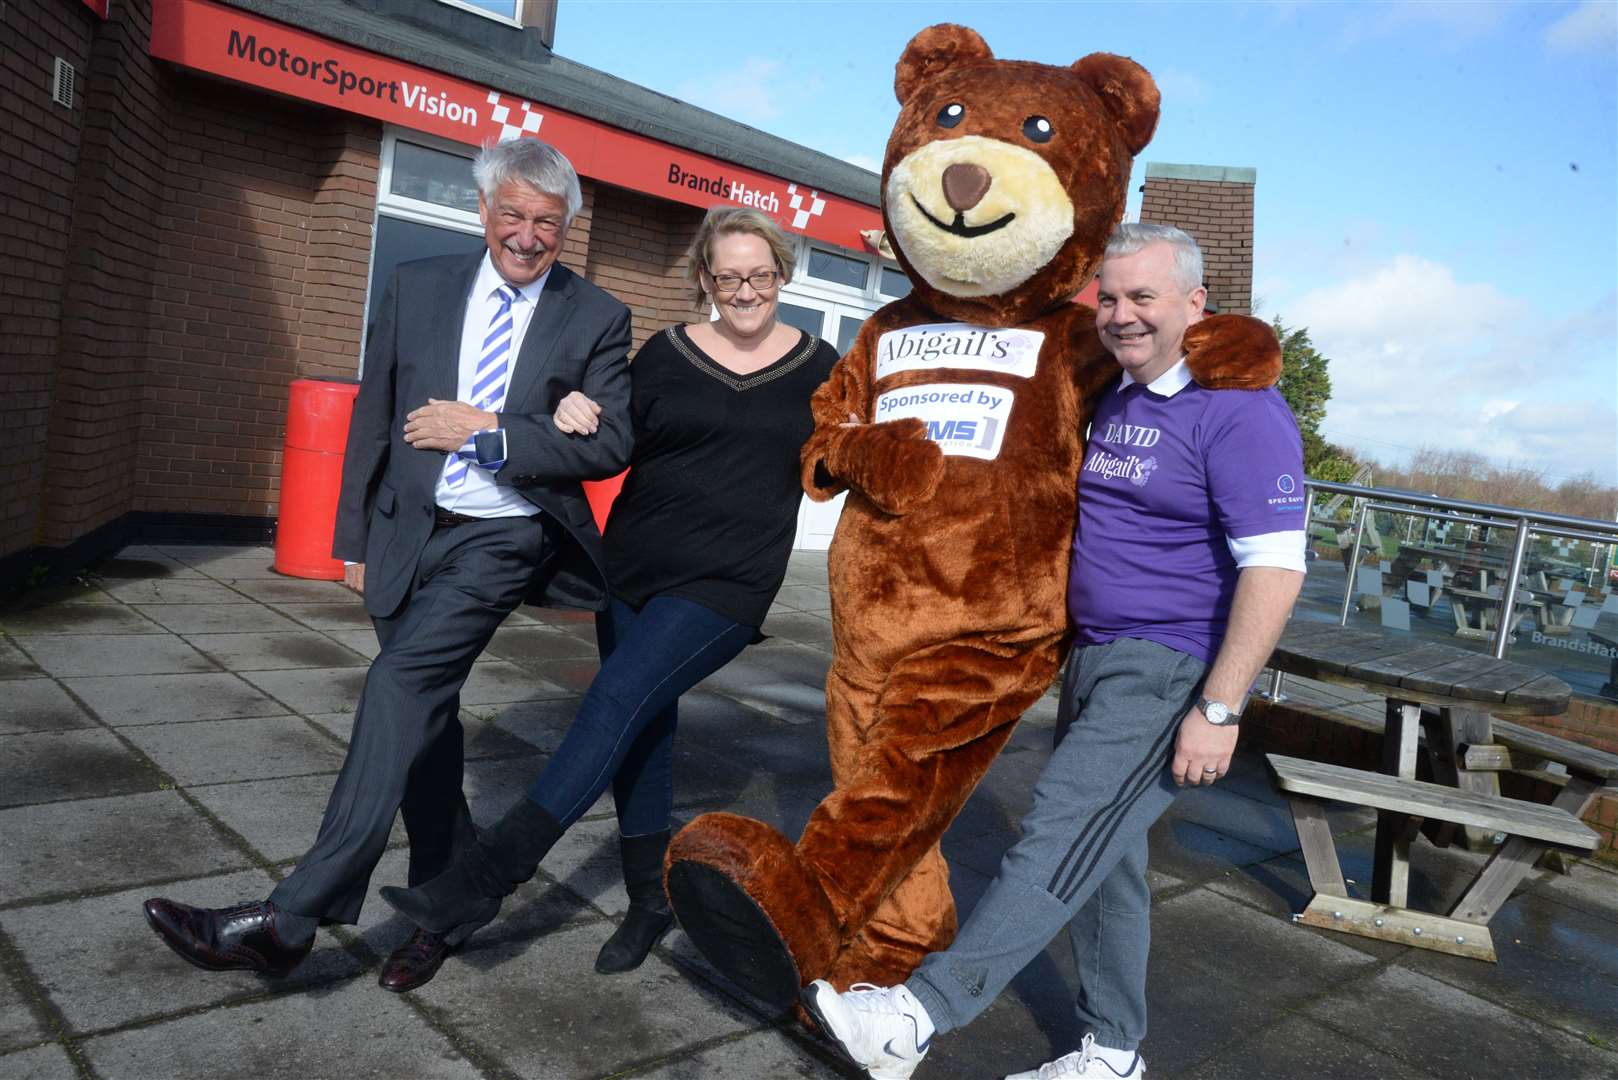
883 1030
1085 1063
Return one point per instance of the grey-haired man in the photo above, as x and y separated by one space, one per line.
461 498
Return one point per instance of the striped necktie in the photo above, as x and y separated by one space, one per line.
489 381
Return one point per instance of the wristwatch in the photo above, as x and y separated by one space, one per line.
1218 713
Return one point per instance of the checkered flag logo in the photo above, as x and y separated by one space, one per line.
526 123
802 214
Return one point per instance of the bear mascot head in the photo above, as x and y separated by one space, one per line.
956 424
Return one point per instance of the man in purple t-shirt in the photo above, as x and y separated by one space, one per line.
1188 555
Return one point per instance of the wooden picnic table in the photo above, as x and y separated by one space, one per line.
1478 613
1468 690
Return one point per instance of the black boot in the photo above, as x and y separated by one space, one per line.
649 916
467 896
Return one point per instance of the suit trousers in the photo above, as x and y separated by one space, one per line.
405 752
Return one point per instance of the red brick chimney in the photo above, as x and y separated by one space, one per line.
1214 203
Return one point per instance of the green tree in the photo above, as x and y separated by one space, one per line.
1306 385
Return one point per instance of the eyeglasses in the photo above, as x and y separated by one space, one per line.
729 283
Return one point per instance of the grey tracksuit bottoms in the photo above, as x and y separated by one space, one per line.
1081 862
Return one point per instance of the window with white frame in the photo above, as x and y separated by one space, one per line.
506 11
834 290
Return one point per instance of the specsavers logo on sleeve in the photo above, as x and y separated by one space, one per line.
964 419
958 345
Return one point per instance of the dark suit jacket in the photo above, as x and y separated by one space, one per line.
578 339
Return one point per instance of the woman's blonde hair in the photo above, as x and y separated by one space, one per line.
726 220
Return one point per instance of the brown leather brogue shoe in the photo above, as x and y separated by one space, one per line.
241 938
414 963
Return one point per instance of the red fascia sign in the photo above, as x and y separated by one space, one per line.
248 49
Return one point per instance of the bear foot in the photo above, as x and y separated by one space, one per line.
729 928
751 906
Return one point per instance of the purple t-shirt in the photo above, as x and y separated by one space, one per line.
1165 481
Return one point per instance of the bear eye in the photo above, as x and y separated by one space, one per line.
1038 129
951 114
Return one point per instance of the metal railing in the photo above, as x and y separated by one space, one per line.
1368 500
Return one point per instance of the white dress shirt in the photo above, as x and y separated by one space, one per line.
480 494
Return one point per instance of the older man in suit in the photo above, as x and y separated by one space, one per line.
461 496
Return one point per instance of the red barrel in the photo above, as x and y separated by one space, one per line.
318 412
602 494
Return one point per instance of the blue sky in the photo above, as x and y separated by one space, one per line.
1437 196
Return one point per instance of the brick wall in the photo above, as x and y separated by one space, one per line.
265 242
39 156
637 253
1215 205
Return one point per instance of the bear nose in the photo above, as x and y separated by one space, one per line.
965 185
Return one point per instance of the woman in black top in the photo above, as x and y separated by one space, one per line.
697 548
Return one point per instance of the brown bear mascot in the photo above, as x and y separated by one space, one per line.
957 424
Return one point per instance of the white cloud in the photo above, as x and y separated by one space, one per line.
864 161
1421 358
1593 26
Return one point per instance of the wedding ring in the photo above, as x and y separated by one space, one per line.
1210 769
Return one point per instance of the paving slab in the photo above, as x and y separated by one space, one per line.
1588 886
329 616
351 1030
1195 853
121 700
46 766
208 554
538 642
150 564
243 569
215 618
40 705
296 591
15 664
799 627
1200 932
786 681
278 817
1542 953
540 724
1430 1024
97 844
20 1022
159 592
219 751
48 1062
1263 824
114 654
805 596
277 651
78 619
572 675
1300 1048
312 690
497 682
769 1053
577 1023
362 642
103 967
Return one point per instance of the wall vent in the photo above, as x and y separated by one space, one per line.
66 83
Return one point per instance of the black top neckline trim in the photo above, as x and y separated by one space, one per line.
789 362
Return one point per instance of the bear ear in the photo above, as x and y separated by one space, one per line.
1128 92
936 49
